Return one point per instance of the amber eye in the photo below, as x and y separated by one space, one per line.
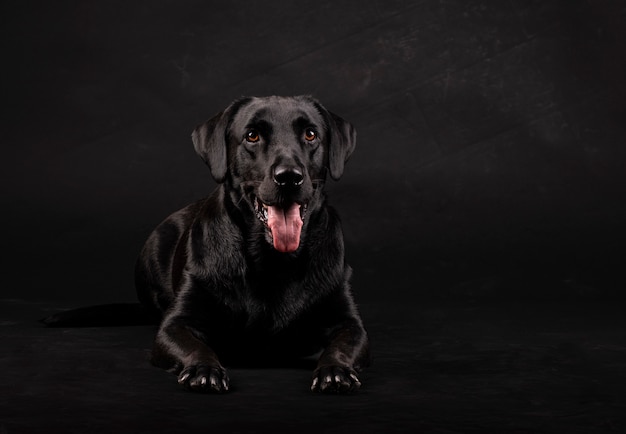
252 136
310 134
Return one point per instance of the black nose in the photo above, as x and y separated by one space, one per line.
288 176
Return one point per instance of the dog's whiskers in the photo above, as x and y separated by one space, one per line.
317 182
241 198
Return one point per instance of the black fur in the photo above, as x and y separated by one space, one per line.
215 275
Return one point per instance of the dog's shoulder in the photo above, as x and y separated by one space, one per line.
214 239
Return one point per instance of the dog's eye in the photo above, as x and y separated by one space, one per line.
252 136
310 134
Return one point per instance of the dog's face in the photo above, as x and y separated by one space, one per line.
275 152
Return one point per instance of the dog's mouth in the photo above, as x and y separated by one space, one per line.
283 222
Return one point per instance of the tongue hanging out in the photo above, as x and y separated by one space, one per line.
285 224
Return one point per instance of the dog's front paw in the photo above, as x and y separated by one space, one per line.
335 379
204 378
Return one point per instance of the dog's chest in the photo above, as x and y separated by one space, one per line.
271 299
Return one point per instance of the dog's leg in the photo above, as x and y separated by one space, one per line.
199 367
339 363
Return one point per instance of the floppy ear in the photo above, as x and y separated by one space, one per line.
342 143
209 140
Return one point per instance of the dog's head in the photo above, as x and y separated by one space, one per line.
275 152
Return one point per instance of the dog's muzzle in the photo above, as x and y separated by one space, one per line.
283 211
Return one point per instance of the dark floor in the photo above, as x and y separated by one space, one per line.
442 368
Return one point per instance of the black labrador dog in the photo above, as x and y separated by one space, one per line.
256 271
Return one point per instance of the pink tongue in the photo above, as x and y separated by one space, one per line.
285 224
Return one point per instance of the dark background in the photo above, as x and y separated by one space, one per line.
491 135
489 171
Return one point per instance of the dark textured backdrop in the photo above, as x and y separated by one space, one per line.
491 142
